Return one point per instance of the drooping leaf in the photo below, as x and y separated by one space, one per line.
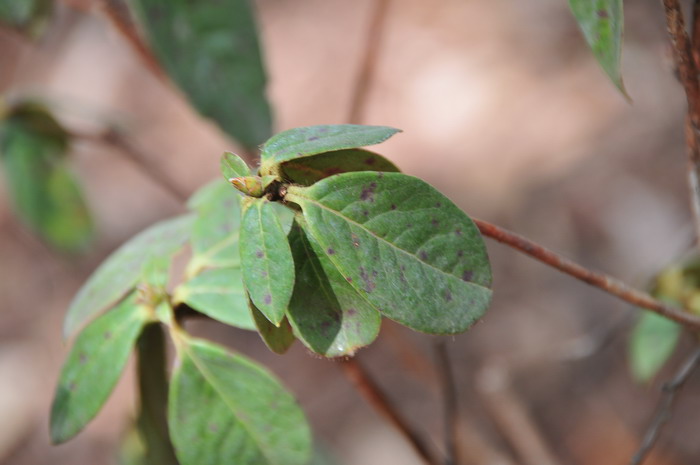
46 195
215 230
277 338
224 409
122 270
653 341
93 367
402 245
328 315
232 166
602 24
30 16
266 259
219 294
313 140
306 171
211 51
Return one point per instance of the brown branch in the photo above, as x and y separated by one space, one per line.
449 401
664 409
379 401
599 280
368 63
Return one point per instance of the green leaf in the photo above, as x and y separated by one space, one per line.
122 271
328 315
94 365
224 409
402 245
211 50
29 16
45 193
266 259
306 171
602 24
277 338
313 140
219 294
215 231
232 166
653 341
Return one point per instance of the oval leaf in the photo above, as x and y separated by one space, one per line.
93 367
653 341
211 50
224 409
312 140
402 245
277 338
266 259
306 171
602 24
232 166
123 269
328 315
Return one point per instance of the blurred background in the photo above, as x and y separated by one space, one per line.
504 110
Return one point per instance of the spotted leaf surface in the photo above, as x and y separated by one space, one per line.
266 259
93 367
307 171
328 315
277 338
402 245
123 270
224 409
602 24
312 140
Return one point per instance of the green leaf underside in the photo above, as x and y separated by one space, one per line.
313 140
653 341
93 367
46 194
224 409
211 51
277 338
602 24
328 315
215 231
232 166
402 245
266 259
309 170
219 294
123 269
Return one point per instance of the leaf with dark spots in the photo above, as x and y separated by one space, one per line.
264 248
277 338
86 381
371 250
327 314
298 143
224 408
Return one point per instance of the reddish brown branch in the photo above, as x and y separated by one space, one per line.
374 395
599 280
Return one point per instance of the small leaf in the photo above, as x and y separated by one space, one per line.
277 338
121 272
313 140
211 50
219 294
233 167
224 409
653 341
402 245
266 259
602 24
306 171
328 315
93 367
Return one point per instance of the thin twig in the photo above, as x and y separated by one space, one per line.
379 401
664 409
368 63
602 281
449 401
